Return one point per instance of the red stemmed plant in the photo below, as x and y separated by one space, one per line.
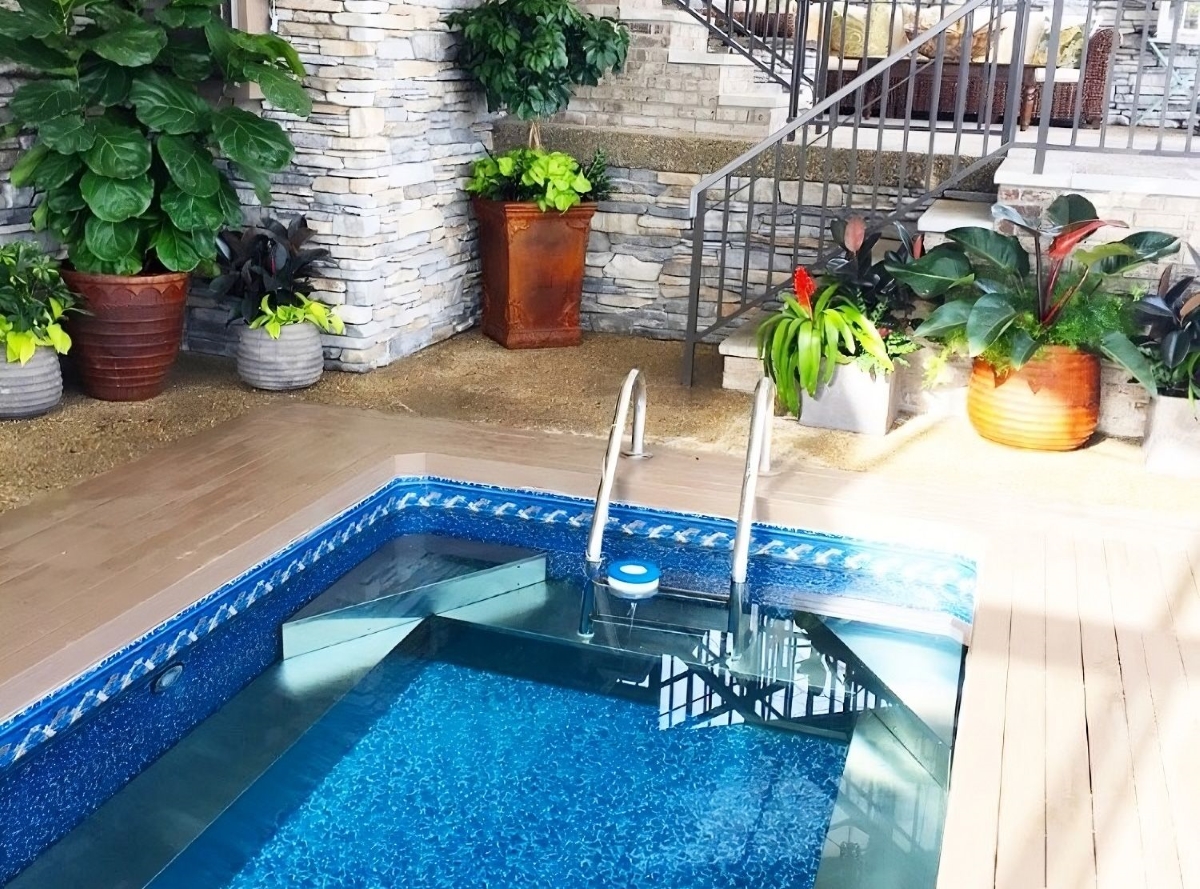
1004 308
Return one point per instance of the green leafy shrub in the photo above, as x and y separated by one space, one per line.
1171 338
33 301
529 54
1004 306
266 277
551 179
123 161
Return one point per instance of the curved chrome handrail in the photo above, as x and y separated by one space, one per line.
758 460
633 389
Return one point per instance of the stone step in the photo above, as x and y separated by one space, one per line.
945 214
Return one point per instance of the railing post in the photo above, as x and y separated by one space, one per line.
693 319
1016 74
1043 131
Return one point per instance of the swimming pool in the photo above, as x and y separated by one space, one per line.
640 788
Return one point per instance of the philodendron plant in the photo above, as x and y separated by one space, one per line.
33 302
125 141
1004 306
1172 338
551 179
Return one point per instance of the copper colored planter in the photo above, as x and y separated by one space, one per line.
532 272
1050 404
125 346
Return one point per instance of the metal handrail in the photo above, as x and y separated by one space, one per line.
633 389
758 460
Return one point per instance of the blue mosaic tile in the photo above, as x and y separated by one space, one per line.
450 786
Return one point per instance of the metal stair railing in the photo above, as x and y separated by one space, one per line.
863 150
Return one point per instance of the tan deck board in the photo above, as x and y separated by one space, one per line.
1073 765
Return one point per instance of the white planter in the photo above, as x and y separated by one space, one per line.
854 401
293 361
1172 443
32 388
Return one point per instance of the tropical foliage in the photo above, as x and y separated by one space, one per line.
529 54
266 276
818 328
551 179
1172 340
124 155
33 301
1004 305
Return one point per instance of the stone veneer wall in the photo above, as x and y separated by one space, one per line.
16 205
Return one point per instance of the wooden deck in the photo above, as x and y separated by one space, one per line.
1075 762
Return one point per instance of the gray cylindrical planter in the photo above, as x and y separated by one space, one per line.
291 362
32 388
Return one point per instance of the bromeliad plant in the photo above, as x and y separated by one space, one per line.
551 179
818 328
33 301
1004 306
1172 340
123 159
266 274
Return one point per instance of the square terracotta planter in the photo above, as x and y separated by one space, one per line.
532 272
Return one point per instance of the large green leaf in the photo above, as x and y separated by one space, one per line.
112 241
69 134
1009 213
1103 251
43 100
168 104
271 47
132 44
937 272
25 169
65 199
56 169
259 180
190 212
105 83
990 317
1069 209
1147 246
231 206
182 251
1021 348
946 318
86 261
194 64
115 200
175 16
250 141
37 18
34 54
190 165
119 152
1120 349
1003 251
282 90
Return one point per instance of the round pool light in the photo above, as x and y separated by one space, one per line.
633 579
166 678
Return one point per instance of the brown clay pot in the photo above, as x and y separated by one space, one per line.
532 272
126 343
1050 404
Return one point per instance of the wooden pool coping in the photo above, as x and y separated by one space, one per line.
1073 762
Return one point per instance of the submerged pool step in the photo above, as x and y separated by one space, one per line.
408 578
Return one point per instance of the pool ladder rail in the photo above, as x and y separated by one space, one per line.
758 462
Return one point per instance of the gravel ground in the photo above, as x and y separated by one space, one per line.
563 391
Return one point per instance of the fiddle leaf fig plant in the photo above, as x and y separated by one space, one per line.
125 143
529 54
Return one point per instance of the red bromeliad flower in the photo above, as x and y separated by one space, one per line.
804 285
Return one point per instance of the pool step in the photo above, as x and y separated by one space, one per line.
408 578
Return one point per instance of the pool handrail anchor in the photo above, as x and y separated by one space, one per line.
632 390
758 462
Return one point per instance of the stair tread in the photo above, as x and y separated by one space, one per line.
946 214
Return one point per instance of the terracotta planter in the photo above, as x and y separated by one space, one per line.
1050 404
532 272
126 344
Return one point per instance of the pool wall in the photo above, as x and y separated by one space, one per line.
108 724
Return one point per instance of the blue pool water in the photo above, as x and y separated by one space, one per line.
437 775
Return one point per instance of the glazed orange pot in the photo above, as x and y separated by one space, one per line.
1050 404
125 344
532 272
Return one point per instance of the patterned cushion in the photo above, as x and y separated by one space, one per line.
1070 47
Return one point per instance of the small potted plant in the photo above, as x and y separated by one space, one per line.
534 207
1035 327
33 302
836 340
266 276
1172 345
122 161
